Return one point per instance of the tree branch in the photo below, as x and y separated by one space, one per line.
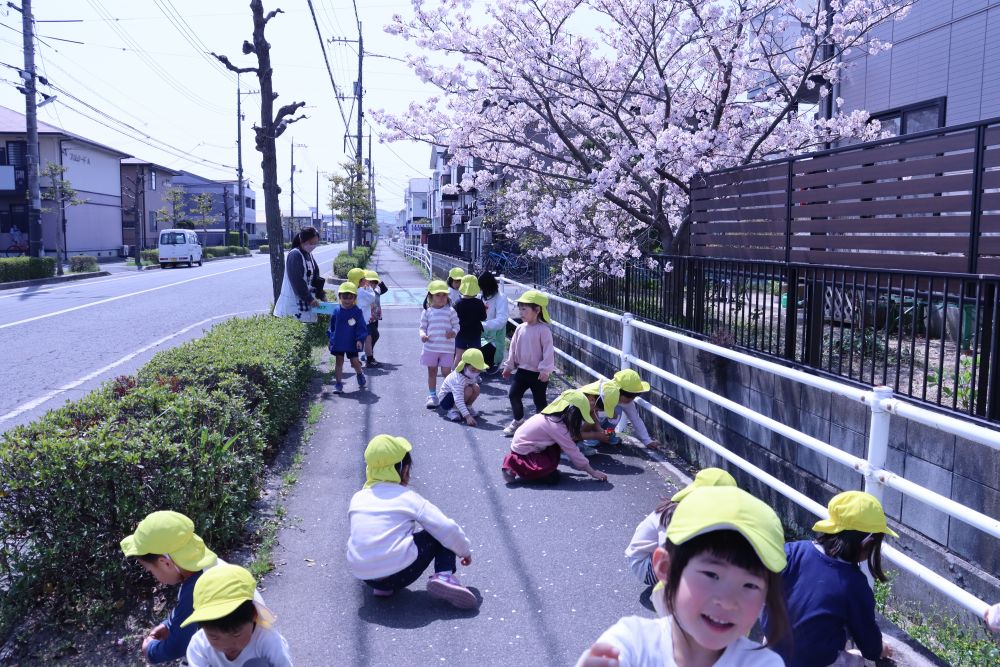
231 67
271 14
281 126
287 110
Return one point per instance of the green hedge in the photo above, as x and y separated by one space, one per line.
82 264
26 268
151 256
263 249
346 261
233 238
189 434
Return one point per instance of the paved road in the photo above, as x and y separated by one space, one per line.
547 561
60 341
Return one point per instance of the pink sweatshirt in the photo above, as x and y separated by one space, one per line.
531 348
540 432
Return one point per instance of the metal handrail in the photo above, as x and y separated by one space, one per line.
415 252
879 400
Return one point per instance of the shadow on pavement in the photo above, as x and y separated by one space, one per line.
613 466
410 609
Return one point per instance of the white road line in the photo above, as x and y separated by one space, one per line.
34 403
45 289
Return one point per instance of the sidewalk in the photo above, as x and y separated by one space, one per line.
548 562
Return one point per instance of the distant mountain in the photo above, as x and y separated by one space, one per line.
386 221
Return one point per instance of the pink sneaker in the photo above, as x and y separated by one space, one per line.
444 585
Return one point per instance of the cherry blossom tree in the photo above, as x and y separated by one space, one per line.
597 114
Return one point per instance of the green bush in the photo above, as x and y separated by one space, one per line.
265 358
233 238
343 263
82 264
26 268
263 249
151 256
237 250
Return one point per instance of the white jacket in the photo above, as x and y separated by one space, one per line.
497 312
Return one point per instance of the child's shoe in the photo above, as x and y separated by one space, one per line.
454 415
362 380
383 593
432 401
511 427
508 476
338 387
444 585
588 447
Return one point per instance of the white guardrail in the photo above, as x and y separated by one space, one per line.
417 253
879 400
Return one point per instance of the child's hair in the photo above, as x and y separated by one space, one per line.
847 545
488 285
626 394
572 418
150 558
305 234
234 620
666 511
406 462
536 308
732 547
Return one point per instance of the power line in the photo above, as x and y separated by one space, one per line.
188 33
322 46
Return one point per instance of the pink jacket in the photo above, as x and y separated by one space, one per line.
541 432
531 348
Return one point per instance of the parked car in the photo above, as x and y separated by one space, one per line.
179 246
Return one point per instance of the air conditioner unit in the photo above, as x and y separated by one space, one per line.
125 251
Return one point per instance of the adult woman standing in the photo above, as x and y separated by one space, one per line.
302 286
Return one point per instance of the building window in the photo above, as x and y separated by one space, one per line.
913 118
17 154
152 179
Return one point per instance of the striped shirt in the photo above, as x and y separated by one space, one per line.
435 323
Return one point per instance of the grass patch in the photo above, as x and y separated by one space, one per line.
315 413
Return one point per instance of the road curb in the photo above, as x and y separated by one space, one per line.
54 280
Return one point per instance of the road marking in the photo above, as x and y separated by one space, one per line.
45 289
34 403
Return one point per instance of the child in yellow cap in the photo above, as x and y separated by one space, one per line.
396 533
166 546
378 289
828 594
347 334
531 357
540 442
234 629
455 275
631 386
720 565
438 328
461 388
471 313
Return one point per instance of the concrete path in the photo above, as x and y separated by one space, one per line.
548 562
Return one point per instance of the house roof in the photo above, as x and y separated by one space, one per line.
12 122
146 163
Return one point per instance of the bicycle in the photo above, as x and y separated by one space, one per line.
16 250
502 262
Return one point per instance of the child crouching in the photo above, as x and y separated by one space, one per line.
461 388
234 628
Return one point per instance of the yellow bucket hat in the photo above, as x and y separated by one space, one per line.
854 510
355 275
537 298
469 285
630 381
372 276
169 534
569 398
220 590
474 358
712 508
437 287
456 273
607 390
350 288
381 456
706 477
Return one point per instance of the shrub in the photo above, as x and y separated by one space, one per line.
233 238
263 249
237 250
266 359
343 263
82 263
26 268
151 256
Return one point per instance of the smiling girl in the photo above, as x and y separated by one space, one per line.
720 566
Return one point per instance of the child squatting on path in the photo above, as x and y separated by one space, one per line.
828 595
438 328
396 533
235 629
531 358
603 397
347 333
461 388
720 566
537 445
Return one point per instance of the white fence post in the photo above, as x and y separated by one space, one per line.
878 440
626 339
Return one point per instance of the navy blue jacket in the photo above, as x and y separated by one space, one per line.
343 335
174 647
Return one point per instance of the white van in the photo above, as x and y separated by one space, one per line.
178 246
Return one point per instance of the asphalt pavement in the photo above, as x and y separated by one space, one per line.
548 562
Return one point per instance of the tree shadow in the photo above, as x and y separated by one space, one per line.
361 396
383 368
409 610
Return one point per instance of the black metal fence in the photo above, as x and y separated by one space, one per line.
932 337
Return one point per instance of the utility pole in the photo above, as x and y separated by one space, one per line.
239 158
31 123
225 211
371 181
354 238
319 218
292 212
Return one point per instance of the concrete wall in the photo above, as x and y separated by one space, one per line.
964 471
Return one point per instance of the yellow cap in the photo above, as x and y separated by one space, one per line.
474 358
706 477
350 288
469 285
569 398
437 287
170 534
220 590
381 456
854 510
372 276
607 390
356 275
456 273
537 298
630 381
712 508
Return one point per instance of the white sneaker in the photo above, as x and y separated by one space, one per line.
432 401
454 415
511 427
